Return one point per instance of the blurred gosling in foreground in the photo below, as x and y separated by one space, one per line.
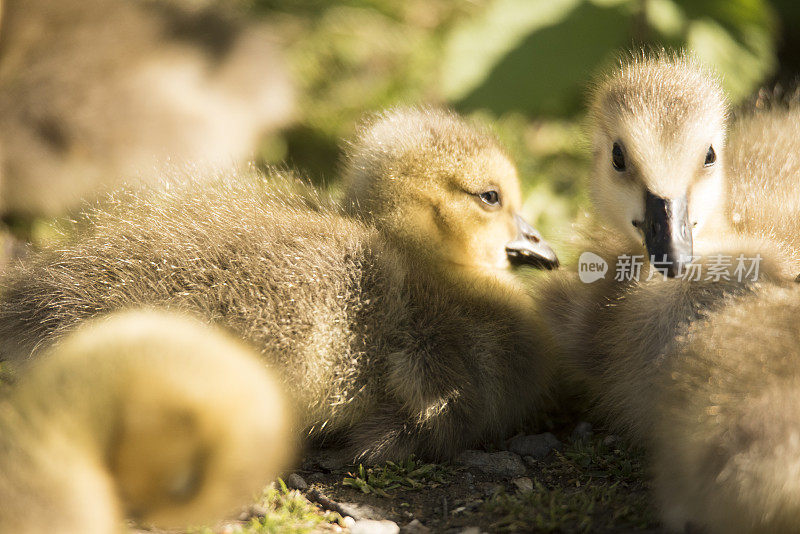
727 435
394 317
141 415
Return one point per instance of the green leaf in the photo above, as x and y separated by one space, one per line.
547 56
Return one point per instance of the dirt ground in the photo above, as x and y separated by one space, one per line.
592 482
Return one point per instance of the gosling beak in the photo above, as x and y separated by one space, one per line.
528 248
667 232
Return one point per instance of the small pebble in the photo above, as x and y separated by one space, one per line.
359 510
295 481
502 463
523 484
538 445
610 439
490 489
369 526
327 461
582 431
415 527
316 477
348 521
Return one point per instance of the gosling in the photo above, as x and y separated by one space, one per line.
658 188
635 344
725 440
95 92
392 317
141 415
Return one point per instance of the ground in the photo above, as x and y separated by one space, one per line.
594 483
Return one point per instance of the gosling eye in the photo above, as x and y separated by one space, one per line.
490 198
711 157
617 158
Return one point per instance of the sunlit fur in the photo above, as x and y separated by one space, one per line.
140 415
94 92
616 336
764 170
665 112
622 340
387 344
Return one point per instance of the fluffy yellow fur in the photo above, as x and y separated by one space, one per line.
141 415
423 186
764 169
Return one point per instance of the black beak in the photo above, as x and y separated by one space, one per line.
667 233
528 248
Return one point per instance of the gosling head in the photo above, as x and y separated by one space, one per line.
443 187
658 133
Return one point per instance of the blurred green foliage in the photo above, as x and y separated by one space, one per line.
521 65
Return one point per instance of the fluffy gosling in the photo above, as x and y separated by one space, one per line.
142 415
640 346
394 320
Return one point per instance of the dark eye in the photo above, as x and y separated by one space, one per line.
618 158
491 198
711 157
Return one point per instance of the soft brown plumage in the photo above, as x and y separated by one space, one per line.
727 435
397 327
94 92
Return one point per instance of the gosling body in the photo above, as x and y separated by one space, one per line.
658 138
392 317
725 457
